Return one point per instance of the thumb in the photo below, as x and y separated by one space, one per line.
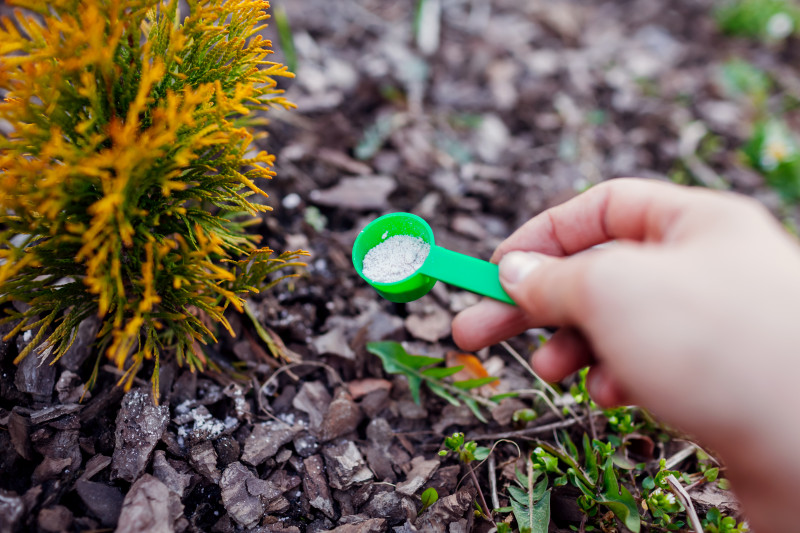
551 291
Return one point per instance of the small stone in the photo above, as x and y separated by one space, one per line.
492 139
140 425
283 455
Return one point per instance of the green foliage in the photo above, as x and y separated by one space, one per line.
659 500
286 38
530 502
741 79
375 137
716 522
762 19
128 176
465 451
429 497
774 151
420 369
595 476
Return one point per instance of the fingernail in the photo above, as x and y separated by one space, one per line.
515 266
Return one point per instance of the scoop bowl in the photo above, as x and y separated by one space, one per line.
469 273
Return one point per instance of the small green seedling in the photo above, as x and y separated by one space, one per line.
716 522
530 502
420 369
468 452
597 478
429 497
463 271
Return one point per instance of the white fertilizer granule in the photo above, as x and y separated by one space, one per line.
395 259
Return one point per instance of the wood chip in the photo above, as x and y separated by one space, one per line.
315 486
265 441
140 425
146 508
361 193
237 484
104 501
345 465
421 472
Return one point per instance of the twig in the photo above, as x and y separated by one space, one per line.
530 370
592 427
687 150
288 368
492 464
474 478
546 399
680 456
117 372
429 29
686 500
530 491
533 431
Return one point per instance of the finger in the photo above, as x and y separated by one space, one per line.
633 209
566 352
551 291
487 323
604 389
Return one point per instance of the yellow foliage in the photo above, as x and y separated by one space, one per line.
126 167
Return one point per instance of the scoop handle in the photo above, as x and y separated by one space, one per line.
468 273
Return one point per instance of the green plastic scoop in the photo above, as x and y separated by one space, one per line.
463 271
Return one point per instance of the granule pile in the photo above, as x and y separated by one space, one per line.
395 259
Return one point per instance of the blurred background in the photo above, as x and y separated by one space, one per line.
478 114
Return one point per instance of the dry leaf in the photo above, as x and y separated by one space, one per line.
473 367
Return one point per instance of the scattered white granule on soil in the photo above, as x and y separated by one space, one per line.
395 259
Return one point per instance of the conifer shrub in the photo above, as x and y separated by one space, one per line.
128 178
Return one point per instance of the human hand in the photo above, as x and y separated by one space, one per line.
692 313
